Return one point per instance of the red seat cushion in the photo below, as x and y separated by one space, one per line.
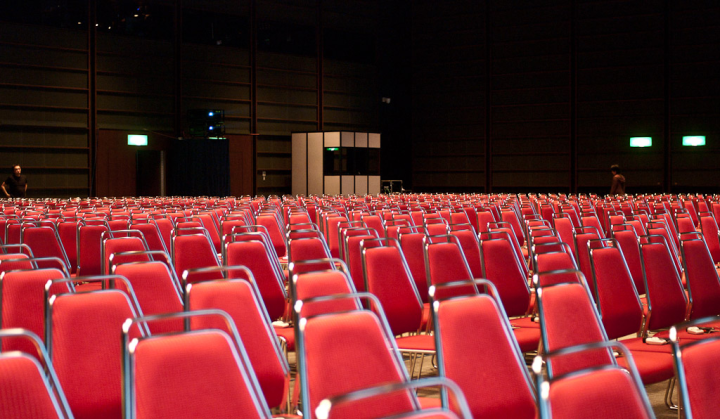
653 367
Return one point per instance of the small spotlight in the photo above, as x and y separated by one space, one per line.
96 24
211 128
136 15
79 23
211 113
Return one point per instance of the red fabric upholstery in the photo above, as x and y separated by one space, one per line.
653 367
710 232
354 258
583 255
510 216
165 227
606 394
11 266
374 222
702 372
194 251
497 389
569 320
503 269
155 291
565 229
469 245
553 262
209 224
270 222
177 377
320 284
702 279
483 218
329 342
665 293
389 281
23 304
308 249
619 304
446 264
254 255
628 242
238 299
412 246
86 330
123 244
89 250
152 236
45 242
23 391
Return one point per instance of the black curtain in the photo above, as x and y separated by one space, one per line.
199 167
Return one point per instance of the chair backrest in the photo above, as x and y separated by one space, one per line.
468 326
82 337
22 299
322 283
132 244
615 294
468 241
709 228
30 388
311 248
609 391
152 235
628 241
275 230
89 248
191 249
413 249
501 267
445 262
387 276
666 301
582 252
240 299
565 229
173 375
156 288
568 317
701 277
267 273
45 242
697 366
325 372
510 216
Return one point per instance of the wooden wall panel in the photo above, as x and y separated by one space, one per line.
44 108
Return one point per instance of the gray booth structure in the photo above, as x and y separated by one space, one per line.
335 162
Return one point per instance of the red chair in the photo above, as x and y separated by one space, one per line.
177 375
22 298
710 231
268 275
192 248
413 248
276 231
583 235
388 277
129 242
703 284
30 389
609 391
326 374
698 373
445 262
156 288
82 331
89 246
628 241
240 299
45 242
476 324
311 248
468 241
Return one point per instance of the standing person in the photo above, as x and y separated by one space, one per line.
618 181
15 186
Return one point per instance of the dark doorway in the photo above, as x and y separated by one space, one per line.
150 170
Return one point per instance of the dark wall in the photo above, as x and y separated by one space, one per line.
544 95
274 66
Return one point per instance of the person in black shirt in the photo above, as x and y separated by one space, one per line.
15 186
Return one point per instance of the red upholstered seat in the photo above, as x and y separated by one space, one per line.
241 300
466 327
192 249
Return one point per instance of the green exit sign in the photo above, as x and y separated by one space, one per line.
640 141
693 140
